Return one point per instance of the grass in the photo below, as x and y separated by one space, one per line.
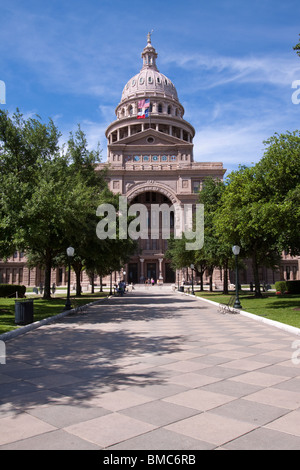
284 309
42 308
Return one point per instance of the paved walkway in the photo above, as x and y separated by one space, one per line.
152 370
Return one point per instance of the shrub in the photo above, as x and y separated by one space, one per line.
293 287
9 290
281 287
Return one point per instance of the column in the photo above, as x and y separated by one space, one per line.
160 276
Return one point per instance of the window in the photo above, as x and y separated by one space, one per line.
196 186
169 109
160 109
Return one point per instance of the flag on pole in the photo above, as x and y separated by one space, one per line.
143 109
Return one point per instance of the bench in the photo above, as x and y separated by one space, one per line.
228 308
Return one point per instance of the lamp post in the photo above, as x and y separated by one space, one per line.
192 268
70 254
178 280
236 251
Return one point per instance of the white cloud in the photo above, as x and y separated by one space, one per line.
220 70
230 144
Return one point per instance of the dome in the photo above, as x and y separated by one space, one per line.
149 80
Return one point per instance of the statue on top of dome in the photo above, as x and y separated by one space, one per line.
149 36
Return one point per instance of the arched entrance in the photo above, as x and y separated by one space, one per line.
150 263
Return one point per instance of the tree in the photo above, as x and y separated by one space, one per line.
54 212
177 253
297 48
216 251
248 217
24 146
279 169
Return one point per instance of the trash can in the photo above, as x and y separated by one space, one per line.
23 312
181 288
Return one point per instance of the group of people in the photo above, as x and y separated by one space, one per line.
121 288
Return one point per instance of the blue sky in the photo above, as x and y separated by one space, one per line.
232 63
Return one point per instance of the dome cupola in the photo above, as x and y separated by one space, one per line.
149 80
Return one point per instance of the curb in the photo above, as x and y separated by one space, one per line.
32 326
282 326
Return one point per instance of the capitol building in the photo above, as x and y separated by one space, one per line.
150 161
150 158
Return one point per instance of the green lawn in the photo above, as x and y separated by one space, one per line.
42 308
284 309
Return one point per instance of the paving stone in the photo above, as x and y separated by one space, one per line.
151 370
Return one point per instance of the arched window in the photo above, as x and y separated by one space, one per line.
160 108
169 109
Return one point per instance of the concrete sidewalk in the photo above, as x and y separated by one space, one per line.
151 370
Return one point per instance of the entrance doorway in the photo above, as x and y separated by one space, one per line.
170 274
151 271
133 273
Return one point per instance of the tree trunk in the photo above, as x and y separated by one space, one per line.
48 266
256 276
211 279
93 283
77 268
225 280
101 286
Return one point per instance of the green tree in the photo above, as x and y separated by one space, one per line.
279 170
216 251
247 217
55 210
297 48
24 146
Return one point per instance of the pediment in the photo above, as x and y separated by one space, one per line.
144 138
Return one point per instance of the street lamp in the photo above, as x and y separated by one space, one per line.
192 268
70 254
236 251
